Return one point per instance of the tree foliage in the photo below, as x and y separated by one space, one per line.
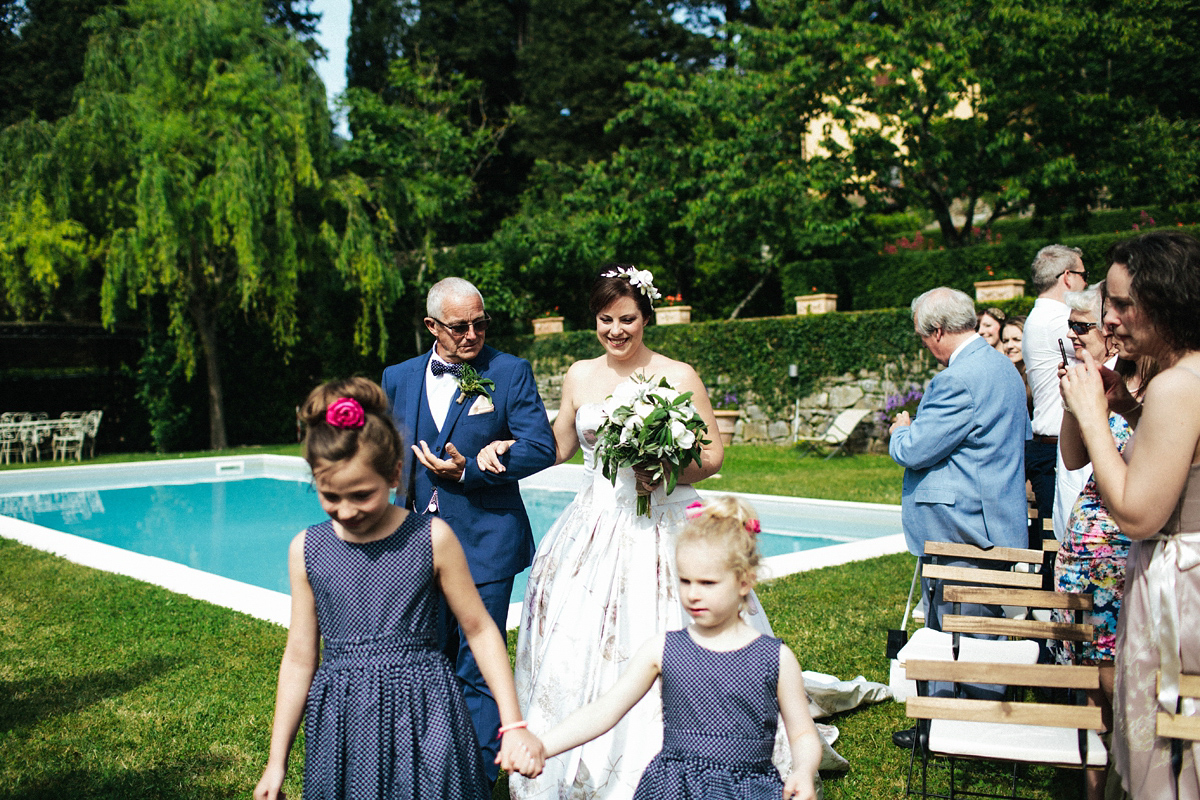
408 174
195 135
999 106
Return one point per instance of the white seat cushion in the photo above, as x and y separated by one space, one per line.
1027 743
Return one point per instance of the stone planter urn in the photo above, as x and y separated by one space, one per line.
673 315
726 423
545 325
995 291
815 304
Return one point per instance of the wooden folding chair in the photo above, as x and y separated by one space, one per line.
1017 731
1003 575
1039 742
1182 725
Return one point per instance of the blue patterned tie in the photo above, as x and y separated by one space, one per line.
441 368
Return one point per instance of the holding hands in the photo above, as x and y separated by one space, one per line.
521 751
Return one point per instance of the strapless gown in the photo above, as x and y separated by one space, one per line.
603 582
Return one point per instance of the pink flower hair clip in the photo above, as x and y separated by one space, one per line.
345 412
753 526
694 510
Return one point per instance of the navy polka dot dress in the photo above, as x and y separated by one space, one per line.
719 716
385 716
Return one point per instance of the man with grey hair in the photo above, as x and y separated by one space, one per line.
1057 269
449 403
963 454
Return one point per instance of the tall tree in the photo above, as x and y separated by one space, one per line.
714 195
196 134
995 107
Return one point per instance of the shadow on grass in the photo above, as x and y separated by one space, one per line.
175 781
25 703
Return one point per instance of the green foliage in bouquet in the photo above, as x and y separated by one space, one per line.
650 426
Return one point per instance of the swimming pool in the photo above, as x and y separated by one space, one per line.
179 523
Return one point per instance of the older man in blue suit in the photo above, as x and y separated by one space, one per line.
964 453
447 416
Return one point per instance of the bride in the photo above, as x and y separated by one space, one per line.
603 580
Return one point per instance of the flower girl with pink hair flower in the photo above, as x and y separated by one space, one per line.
384 714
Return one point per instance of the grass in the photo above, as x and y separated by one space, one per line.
113 688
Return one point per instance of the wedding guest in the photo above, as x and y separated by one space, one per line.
1057 269
1091 559
964 453
604 579
989 324
1152 493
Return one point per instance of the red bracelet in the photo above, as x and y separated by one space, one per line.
512 726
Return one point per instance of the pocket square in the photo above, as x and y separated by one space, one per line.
482 405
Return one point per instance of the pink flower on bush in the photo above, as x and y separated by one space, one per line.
345 412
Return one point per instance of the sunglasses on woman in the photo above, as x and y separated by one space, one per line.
1080 328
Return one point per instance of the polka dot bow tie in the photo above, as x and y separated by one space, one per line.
441 368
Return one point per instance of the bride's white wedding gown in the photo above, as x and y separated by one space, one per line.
603 582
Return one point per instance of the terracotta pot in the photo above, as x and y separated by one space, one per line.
726 423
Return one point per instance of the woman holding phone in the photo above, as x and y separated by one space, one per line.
1152 492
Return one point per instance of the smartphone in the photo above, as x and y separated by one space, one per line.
1063 350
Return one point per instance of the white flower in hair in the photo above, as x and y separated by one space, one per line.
641 279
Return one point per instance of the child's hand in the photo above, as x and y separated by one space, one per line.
800 786
522 752
270 785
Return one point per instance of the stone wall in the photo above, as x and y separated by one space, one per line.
812 414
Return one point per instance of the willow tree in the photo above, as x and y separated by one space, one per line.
197 135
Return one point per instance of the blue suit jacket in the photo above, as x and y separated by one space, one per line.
485 509
964 455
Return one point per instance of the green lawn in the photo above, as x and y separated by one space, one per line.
112 688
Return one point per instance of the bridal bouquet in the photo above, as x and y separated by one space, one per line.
652 426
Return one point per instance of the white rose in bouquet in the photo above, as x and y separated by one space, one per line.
649 425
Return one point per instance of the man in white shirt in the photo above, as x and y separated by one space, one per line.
1057 269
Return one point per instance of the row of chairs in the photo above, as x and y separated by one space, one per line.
1042 719
24 432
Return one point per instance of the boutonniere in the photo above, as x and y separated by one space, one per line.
471 382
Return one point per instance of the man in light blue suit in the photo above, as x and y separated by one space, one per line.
964 453
447 418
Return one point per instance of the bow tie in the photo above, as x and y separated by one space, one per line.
441 368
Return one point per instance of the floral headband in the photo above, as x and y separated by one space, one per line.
697 508
640 279
345 412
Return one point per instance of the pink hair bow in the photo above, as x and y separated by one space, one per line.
694 510
753 526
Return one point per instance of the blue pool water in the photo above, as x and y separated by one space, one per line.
240 529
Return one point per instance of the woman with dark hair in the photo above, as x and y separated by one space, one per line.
603 580
1152 493
989 323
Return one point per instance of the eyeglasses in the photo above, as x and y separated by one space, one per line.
460 329
1080 328
1080 272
